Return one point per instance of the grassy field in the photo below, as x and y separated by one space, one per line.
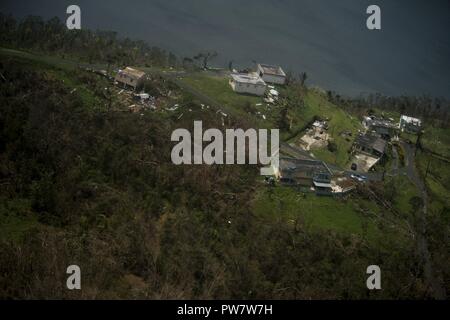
437 179
352 216
405 190
251 109
338 121
437 140
218 88
316 212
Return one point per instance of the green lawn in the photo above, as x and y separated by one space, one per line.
317 213
438 177
405 190
218 88
437 140
356 216
338 121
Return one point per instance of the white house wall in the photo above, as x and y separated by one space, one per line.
258 90
273 79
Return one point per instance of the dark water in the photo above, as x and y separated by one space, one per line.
327 39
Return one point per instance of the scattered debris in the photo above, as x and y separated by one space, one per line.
143 96
342 185
316 136
174 108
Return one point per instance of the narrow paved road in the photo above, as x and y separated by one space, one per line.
394 166
437 290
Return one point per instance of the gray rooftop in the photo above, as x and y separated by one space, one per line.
273 70
247 78
303 164
371 141
377 122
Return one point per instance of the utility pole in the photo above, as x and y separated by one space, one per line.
109 90
428 166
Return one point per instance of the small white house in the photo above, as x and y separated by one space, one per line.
410 124
271 74
248 83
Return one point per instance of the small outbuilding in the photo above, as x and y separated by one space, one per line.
271 74
248 83
130 77
385 128
305 173
410 124
370 144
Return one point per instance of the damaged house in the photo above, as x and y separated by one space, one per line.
247 83
367 151
370 144
410 124
385 128
271 74
311 174
130 77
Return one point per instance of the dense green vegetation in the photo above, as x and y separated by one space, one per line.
83 182
51 36
95 187
433 162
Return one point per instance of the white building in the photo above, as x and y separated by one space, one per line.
271 74
410 124
247 83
